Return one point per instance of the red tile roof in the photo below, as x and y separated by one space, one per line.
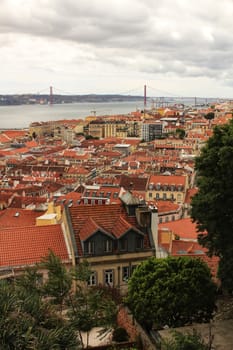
194 250
133 182
112 219
16 217
166 179
184 228
189 194
27 245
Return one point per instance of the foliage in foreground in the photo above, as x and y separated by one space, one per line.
32 313
212 206
171 291
191 341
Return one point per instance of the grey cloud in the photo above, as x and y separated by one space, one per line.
168 37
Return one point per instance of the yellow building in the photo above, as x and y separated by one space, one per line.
167 187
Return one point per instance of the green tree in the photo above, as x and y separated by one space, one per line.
180 133
210 115
190 341
29 308
28 321
90 307
58 284
212 206
171 291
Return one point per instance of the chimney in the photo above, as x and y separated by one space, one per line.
154 228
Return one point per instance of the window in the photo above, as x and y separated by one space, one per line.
150 194
108 277
92 279
108 246
139 243
123 244
115 195
179 198
125 273
164 196
89 247
157 196
160 220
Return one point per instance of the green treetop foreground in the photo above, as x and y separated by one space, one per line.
42 316
212 206
172 291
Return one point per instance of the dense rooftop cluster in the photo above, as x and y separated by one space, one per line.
113 189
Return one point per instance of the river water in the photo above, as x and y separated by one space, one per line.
19 117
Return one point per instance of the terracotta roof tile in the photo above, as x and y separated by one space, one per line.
89 227
166 179
121 227
27 245
184 228
16 217
111 218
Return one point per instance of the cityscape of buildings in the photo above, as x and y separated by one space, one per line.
112 190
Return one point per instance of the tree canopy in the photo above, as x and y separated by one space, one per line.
171 291
31 309
212 206
190 341
210 115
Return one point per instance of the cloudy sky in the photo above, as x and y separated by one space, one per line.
175 47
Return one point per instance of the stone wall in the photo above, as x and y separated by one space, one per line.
136 333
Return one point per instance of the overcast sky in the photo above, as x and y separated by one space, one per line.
175 47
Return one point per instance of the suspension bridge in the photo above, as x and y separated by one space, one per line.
150 95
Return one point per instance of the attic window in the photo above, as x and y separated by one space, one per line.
16 214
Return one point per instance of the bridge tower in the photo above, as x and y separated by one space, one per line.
51 95
144 96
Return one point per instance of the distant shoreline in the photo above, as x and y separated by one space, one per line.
30 99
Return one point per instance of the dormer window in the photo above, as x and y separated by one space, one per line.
139 243
108 245
123 244
89 247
